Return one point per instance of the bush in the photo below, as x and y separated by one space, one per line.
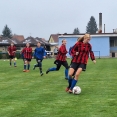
18 55
0 55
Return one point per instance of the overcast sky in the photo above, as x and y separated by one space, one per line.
41 18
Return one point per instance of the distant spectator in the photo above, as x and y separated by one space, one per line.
55 51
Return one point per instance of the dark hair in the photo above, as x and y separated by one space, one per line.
38 42
63 40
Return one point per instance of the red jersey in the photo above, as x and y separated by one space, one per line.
11 50
27 52
62 51
84 50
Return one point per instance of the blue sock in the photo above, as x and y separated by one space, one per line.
14 63
66 73
70 81
28 66
52 69
24 66
73 84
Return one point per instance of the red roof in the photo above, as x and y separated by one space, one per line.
18 37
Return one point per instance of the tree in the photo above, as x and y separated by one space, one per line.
7 32
91 26
76 31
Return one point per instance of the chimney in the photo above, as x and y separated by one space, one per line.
104 28
100 22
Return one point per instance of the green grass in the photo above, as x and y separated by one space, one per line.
30 95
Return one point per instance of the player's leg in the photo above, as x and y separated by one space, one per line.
35 65
25 64
10 60
72 68
74 81
14 61
28 65
40 66
65 64
58 65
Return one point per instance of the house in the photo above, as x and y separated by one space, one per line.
103 44
53 40
18 37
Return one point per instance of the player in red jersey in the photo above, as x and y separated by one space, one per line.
27 52
61 59
11 52
80 53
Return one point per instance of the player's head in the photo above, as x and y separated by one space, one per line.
27 44
86 38
38 44
12 44
64 42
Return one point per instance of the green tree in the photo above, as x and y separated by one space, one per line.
76 31
91 26
7 32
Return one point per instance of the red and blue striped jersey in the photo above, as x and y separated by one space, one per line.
62 51
27 52
12 50
84 50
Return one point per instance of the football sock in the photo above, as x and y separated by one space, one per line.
10 63
24 66
73 84
40 68
14 63
52 69
28 66
66 73
70 81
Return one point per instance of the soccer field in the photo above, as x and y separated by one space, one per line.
32 95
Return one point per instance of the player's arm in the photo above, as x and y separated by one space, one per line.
74 50
8 50
23 50
92 54
34 54
44 53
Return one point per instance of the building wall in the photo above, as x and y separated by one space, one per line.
99 44
3 49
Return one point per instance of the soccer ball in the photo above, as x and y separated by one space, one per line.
76 90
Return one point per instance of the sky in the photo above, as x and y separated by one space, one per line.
41 18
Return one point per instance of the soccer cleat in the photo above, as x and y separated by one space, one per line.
24 70
66 78
47 71
27 71
41 74
70 91
67 89
34 67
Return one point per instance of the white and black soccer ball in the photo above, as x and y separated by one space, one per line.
76 90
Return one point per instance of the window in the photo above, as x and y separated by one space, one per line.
116 42
111 43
